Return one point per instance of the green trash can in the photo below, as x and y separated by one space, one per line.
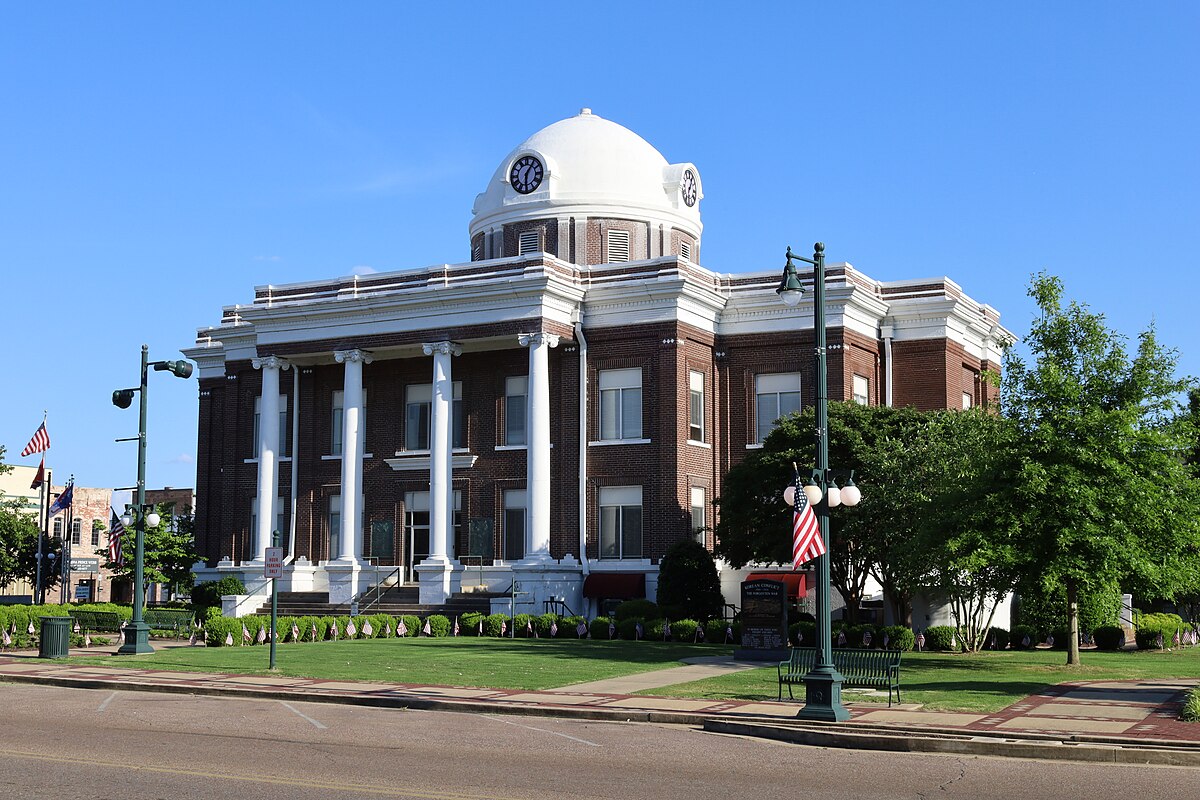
56 637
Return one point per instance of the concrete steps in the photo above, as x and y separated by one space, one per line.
396 600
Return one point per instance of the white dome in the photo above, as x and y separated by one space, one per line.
593 167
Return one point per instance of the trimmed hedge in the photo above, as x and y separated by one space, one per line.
996 639
1109 637
643 609
898 637
603 628
718 631
940 638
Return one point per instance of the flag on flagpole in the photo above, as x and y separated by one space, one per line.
245 633
807 543
427 630
351 629
387 630
40 442
40 477
64 500
401 628
262 635
368 631
114 541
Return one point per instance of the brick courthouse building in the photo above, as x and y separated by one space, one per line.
558 410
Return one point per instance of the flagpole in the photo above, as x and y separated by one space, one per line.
43 531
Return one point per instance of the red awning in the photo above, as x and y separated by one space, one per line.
796 584
615 585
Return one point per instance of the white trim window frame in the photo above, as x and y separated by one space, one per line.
861 389
516 410
696 498
284 449
776 394
514 520
620 404
620 534
335 421
418 417
695 406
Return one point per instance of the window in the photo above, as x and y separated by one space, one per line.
861 387
96 524
620 404
696 406
516 391
967 400
527 242
335 525
618 245
58 525
418 416
621 522
283 425
281 505
416 524
776 396
685 250
76 530
513 528
336 419
698 527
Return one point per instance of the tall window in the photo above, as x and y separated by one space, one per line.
516 394
76 530
967 399
621 522
335 525
418 416
620 404
861 389
698 525
283 425
335 421
696 406
416 524
58 525
281 506
513 531
96 532
775 395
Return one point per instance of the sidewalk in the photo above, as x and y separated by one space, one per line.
1121 721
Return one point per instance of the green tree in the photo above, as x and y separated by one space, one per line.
688 581
169 550
18 541
1105 494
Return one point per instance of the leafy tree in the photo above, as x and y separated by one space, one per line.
169 550
1105 494
18 540
688 581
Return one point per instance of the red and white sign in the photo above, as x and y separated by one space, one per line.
274 563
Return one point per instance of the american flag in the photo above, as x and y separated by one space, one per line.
228 639
295 632
503 627
481 626
428 631
314 632
700 632
192 638
40 442
262 635
666 630
581 629
7 639
553 629
728 634
368 631
807 543
841 638
40 477
115 555
387 630
401 628
638 630
32 629
245 633
351 629
456 626
866 638
75 627
333 631
87 639
612 629
921 641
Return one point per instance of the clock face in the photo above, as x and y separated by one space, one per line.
526 174
688 187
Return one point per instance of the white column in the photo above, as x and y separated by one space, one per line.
350 546
441 464
537 461
268 452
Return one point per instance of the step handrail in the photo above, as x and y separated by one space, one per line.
376 588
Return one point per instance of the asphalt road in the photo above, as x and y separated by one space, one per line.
87 743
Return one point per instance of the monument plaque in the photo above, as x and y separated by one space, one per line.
764 621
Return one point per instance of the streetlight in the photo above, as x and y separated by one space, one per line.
822 686
137 632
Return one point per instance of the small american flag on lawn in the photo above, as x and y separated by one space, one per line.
638 630
351 630
32 629
666 630
886 640
368 631
228 639
866 638
387 629
262 635
192 638
728 634
314 632
245 633
553 629
87 640
921 641
428 631
456 626
481 626
76 626
581 629
700 632
612 629
503 627
7 639
841 638
295 632
334 633
401 628
40 442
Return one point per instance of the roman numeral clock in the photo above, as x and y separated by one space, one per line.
526 174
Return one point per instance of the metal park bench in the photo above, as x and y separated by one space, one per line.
860 668
97 620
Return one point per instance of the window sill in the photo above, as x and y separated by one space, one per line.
608 442
754 446
339 458
695 443
422 460
612 561
506 447
280 460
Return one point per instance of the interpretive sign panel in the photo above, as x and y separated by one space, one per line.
764 621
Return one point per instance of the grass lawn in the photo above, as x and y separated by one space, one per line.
981 682
465 661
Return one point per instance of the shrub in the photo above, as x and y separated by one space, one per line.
470 623
1109 637
523 624
1152 626
412 623
380 623
494 624
940 638
856 636
684 630
568 627
1060 637
1023 637
655 630
439 625
803 633
715 631
1191 707
897 637
545 623
628 628
688 581
996 639
645 609
207 595
600 629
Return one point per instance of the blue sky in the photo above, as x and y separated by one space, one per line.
160 160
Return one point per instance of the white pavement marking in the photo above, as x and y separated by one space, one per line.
300 713
541 730
107 700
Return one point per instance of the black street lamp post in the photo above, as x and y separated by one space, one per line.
822 686
137 632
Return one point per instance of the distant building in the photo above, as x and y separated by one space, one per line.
558 410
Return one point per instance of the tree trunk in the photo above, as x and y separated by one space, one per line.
1072 623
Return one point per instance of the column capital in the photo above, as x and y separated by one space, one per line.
269 362
528 339
443 348
342 356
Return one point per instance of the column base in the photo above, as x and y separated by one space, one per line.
137 640
823 697
438 578
346 580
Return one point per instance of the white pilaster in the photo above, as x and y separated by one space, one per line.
436 571
268 452
537 461
350 544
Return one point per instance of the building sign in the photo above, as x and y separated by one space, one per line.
85 564
83 592
273 567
